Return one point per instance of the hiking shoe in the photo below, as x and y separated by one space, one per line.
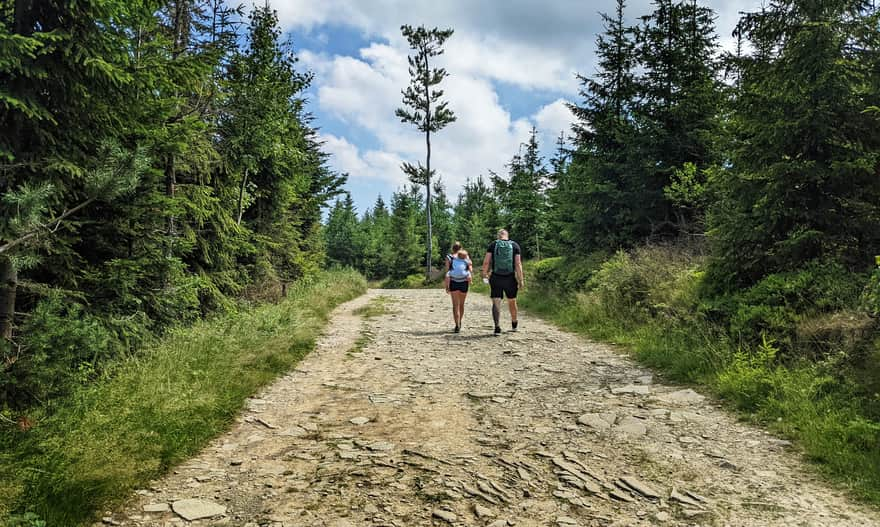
513 325
457 329
497 330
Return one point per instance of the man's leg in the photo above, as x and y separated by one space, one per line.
496 311
511 304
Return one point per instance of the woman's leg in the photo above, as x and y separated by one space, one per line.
457 298
454 305
461 298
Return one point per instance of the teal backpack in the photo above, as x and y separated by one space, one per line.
502 258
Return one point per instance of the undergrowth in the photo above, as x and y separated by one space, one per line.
157 408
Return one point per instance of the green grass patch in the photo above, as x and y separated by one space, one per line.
159 408
376 307
824 399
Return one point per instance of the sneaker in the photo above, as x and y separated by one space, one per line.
513 325
457 329
497 330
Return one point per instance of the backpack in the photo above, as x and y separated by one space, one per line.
502 257
458 269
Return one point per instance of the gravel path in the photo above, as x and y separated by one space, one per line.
412 425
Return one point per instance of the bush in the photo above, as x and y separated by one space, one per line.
779 302
64 346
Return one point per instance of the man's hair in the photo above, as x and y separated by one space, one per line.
502 233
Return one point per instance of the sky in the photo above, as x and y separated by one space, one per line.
512 66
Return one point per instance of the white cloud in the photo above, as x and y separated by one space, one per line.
371 165
520 43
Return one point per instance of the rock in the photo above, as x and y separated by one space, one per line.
565 520
640 486
446 516
110 521
681 498
487 395
483 512
621 496
694 513
595 421
662 517
371 509
574 470
157 507
294 431
632 426
683 397
195 509
688 440
635 389
645 379
235 462
498 523
359 421
728 465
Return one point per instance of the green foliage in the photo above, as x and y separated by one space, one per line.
522 198
870 298
158 407
802 184
776 304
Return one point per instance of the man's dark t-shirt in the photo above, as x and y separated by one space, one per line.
491 250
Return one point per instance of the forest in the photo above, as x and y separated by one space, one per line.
715 211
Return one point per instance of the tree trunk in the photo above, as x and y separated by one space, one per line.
8 289
241 197
428 168
170 187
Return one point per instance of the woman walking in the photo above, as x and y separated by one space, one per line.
459 270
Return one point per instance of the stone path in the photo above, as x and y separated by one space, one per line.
418 426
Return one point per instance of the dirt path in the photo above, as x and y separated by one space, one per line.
419 426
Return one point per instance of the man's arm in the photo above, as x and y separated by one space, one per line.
517 262
487 261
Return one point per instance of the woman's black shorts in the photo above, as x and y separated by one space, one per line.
505 284
458 286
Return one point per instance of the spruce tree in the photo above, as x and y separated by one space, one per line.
803 183
424 108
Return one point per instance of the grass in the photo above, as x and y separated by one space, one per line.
158 409
822 407
377 307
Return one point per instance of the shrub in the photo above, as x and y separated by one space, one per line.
775 305
64 346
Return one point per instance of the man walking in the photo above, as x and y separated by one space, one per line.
504 258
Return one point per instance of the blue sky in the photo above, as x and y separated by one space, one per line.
512 66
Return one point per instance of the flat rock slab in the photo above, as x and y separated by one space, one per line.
446 516
359 421
597 421
640 486
683 397
632 426
157 507
636 389
195 509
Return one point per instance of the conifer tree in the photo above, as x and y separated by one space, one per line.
803 178
424 108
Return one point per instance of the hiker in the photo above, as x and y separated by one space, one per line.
504 259
459 270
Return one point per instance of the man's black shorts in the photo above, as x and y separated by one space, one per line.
458 286
505 284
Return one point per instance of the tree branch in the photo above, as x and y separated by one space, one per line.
45 228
